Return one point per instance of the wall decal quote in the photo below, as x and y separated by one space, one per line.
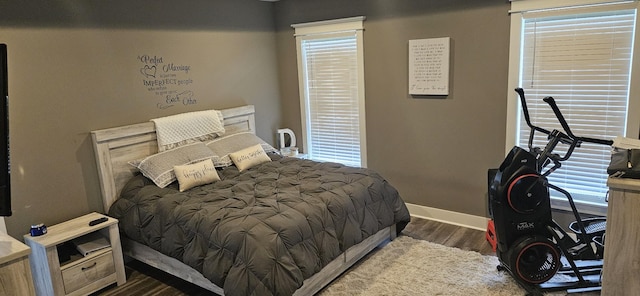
169 82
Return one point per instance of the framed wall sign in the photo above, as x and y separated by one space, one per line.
429 66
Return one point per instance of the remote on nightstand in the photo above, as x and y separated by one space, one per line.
98 221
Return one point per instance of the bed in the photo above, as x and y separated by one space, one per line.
192 240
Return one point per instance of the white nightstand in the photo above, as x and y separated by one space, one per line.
55 274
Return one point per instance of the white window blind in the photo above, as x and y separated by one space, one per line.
583 61
332 92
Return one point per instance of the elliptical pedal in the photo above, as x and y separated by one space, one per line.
592 226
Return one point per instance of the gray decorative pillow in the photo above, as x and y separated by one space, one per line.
159 167
227 144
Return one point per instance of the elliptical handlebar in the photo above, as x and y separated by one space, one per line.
525 110
567 137
552 103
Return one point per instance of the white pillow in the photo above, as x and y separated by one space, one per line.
249 157
186 128
196 174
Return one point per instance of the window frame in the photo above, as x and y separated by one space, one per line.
332 29
518 12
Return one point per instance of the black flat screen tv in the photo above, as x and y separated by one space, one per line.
5 168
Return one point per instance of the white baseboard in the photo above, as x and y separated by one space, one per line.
449 217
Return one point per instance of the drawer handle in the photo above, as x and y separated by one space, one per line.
88 267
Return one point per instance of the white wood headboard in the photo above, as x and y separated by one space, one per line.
115 147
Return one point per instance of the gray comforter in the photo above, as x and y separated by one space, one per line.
265 230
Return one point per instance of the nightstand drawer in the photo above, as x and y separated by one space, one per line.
88 271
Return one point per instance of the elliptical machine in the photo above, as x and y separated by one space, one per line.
531 246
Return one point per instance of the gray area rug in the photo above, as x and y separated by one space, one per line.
408 266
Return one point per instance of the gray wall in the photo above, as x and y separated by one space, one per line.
435 150
77 66
74 68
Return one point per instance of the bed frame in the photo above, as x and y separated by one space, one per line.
115 147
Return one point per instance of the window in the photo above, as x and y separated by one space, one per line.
331 79
582 57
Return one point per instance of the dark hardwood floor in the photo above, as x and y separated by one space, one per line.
144 280
448 235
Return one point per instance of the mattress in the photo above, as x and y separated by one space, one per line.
265 230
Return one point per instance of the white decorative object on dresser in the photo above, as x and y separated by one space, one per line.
15 274
289 149
58 271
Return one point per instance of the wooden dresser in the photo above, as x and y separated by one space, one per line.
621 272
15 274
